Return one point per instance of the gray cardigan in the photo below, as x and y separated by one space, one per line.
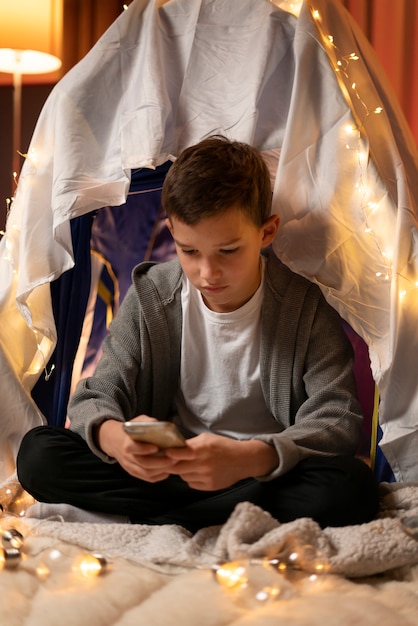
305 364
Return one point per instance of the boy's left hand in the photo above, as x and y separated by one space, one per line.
211 462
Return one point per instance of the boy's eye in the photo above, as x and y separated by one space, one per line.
229 250
191 251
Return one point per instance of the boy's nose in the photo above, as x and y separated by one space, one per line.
209 269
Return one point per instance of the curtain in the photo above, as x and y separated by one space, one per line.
84 23
391 28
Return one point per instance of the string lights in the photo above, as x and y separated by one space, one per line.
13 551
83 566
44 364
255 582
370 200
251 582
378 218
291 6
12 232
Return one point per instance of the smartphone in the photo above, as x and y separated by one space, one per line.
161 434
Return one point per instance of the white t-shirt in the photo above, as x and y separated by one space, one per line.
220 388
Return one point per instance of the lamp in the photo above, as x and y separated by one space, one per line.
30 43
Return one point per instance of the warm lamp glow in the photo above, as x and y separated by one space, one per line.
30 36
27 61
31 43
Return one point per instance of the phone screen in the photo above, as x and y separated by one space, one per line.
162 434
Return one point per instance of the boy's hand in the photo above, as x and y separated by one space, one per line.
208 462
211 462
136 458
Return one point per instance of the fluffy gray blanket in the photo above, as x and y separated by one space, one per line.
388 542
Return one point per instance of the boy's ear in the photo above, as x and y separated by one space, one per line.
169 225
269 230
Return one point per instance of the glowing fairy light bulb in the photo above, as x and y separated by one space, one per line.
363 157
306 558
320 565
12 538
279 564
33 156
10 558
384 275
231 575
42 571
42 364
53 562
351 137
291 6
316 15
55 555
91 565
21 503
266 594
253 582
293 558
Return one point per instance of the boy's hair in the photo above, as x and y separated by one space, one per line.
215 175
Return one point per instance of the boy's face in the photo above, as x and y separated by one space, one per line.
220 256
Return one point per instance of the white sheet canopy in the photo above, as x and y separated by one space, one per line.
298 77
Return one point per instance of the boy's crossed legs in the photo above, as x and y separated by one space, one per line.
55 465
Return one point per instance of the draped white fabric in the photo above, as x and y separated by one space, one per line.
347 188
165 75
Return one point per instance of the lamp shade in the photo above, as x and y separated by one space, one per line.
30 36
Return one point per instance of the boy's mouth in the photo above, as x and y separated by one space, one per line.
213 288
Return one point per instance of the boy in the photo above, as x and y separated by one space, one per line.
243 355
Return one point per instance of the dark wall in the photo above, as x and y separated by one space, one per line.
33 99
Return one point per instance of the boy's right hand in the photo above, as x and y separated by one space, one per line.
136 458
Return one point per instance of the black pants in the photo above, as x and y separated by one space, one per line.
55 465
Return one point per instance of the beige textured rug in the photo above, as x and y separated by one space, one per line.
164 576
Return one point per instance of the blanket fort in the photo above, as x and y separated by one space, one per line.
167 74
